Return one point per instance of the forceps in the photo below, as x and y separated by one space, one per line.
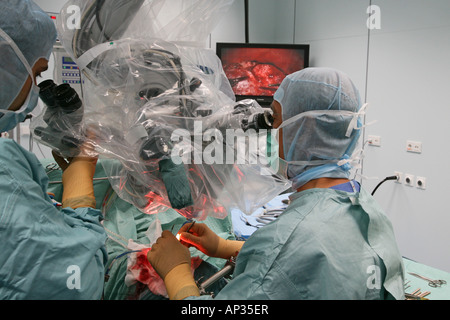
432 283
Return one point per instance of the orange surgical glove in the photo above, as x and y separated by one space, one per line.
205 240
172 261
78 175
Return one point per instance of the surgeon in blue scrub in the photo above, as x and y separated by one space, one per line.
333 242
46 253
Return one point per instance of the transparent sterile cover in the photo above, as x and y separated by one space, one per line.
157 103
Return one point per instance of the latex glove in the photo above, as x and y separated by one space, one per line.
167 253
78 175
172 261
205 240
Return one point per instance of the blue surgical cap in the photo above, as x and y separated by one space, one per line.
321 122
33 33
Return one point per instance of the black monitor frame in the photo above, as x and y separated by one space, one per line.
264 100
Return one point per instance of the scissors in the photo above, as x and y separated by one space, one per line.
432 283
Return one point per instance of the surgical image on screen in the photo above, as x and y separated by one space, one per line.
259 71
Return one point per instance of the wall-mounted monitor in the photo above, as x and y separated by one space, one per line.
255 71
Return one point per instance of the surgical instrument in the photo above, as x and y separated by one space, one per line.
189 229
424 294
178 236
410 296
407 285
52 167
226 271
248 223
431 283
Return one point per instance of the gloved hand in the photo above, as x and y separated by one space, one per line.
167 253
172 261
78 175
205 240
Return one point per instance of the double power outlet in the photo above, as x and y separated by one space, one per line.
411 181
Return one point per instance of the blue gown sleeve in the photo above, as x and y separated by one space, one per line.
47 253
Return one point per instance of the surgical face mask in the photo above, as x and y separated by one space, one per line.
10 119
278 165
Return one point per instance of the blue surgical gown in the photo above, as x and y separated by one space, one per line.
327 245
46 253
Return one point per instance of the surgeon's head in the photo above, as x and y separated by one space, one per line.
40 66
27 36
316 111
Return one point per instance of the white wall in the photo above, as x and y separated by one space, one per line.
263 14
409 92
231 28
337 33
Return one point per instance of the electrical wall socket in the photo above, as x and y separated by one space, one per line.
374 141
414 146
400 177
409 180
421 183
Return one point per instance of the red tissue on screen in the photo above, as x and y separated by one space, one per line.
259 71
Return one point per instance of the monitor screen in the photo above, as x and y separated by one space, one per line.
255 71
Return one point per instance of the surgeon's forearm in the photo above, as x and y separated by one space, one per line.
180 283
229 248
78 184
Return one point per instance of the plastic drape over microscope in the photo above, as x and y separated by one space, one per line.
158 105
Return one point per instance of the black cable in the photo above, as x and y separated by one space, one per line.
98 8
385 179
